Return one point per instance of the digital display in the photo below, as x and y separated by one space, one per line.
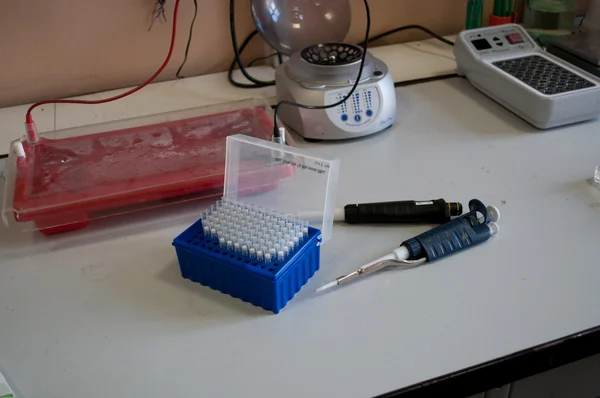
481 44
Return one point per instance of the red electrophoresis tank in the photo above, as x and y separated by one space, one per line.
61 184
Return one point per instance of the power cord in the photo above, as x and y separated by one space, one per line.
412 82
189 42
237 51
159 13
255 60
408 27
235 62
276 133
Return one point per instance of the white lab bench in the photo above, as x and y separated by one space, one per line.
105 310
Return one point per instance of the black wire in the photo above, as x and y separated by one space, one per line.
159 11
234 62
407 27
189 42
261 59
236 51
425 80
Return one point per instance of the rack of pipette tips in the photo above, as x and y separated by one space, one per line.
259 256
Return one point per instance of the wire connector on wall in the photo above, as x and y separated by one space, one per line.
159 13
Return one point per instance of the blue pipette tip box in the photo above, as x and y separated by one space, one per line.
269 286
294 189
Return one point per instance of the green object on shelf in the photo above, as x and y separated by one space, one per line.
474 14
498 8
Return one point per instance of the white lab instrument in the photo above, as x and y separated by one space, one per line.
315 84
324 74
506 64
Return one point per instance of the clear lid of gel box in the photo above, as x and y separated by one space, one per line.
75 176
281 178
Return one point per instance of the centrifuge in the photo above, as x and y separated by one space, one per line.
322 70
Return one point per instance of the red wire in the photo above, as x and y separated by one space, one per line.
125 94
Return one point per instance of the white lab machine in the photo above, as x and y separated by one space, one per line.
324 74
507 65
322 70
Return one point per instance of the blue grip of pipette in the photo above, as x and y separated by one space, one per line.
448 239
454 236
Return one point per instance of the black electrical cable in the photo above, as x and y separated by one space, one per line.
189 42
236 51
255 60
425 80
245 43
349 95
234 62
407 27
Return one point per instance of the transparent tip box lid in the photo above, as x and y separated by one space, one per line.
284 179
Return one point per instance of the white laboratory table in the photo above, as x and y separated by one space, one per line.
106 312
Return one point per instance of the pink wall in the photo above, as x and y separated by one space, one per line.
58 48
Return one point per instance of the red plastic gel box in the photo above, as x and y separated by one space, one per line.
73 176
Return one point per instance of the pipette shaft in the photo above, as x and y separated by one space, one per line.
400 254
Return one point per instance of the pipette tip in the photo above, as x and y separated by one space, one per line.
327 286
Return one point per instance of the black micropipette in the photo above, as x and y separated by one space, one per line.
402 212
